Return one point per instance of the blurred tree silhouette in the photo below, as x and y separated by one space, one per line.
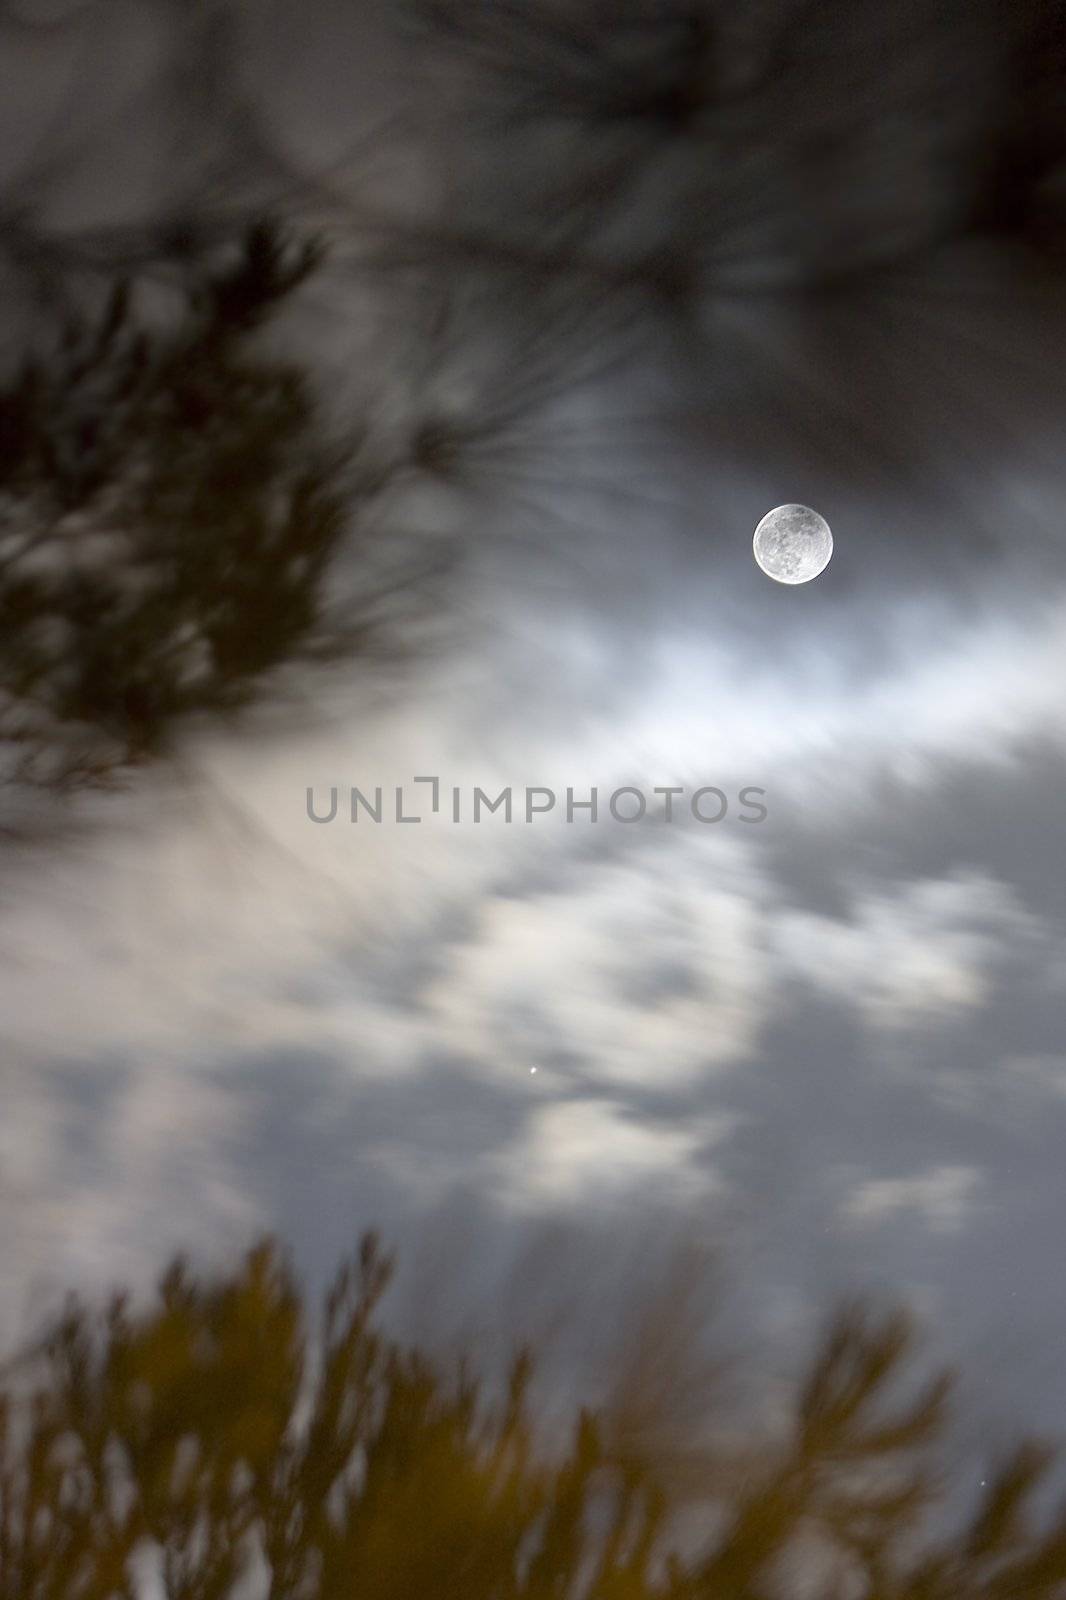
226 1437
698 148
170 507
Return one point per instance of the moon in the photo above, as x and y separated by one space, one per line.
792 544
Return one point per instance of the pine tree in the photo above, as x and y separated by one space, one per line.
172 502
230 1426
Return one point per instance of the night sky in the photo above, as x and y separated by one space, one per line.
828 1046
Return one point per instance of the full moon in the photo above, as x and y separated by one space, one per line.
793 544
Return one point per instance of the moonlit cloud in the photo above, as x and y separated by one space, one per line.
920 953
941 1198
645 963
591 1153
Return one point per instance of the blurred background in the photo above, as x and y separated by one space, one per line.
392 391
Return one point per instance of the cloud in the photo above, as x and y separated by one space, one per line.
109 1168
1042 1075
642 971
924 952
942 1198
593 1152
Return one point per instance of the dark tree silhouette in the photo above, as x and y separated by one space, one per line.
701 150
172 508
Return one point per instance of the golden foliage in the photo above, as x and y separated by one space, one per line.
228 1429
